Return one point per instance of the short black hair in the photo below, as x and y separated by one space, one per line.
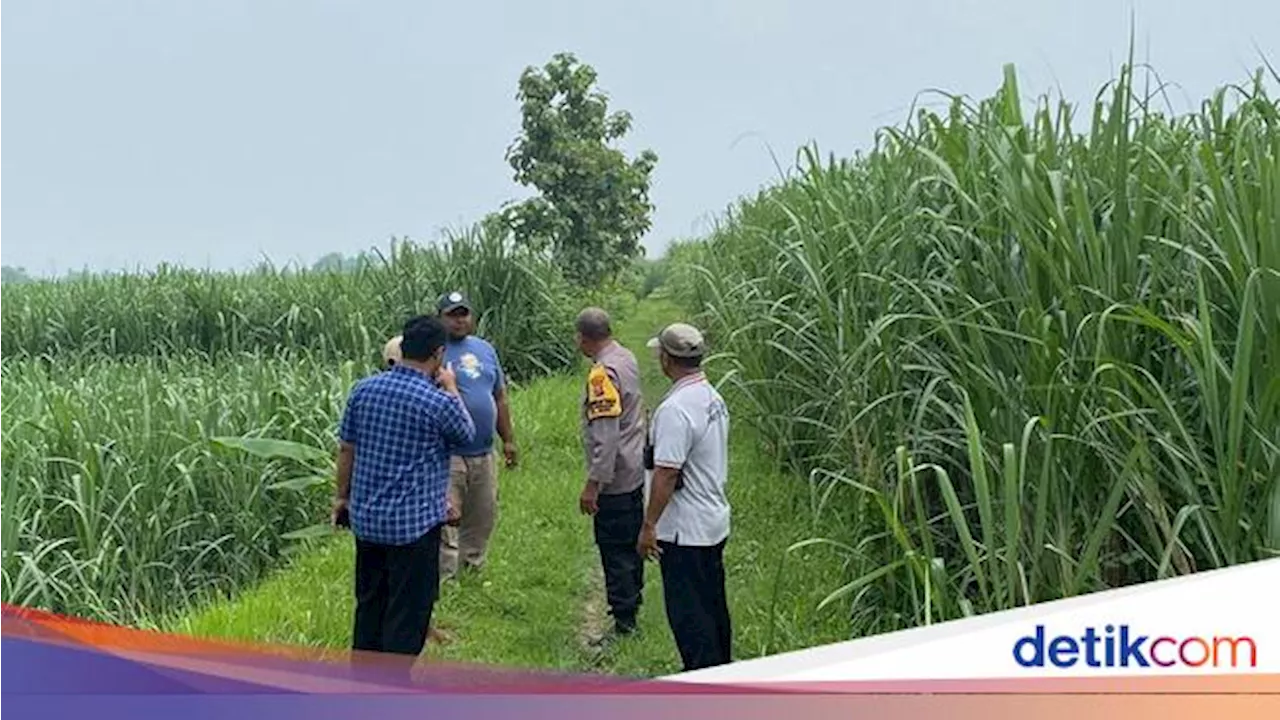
423 336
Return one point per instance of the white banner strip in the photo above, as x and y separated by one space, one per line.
1213 622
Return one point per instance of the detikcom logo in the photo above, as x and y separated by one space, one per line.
1121 646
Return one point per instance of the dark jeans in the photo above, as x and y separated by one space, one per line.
697 608
617 529
396 590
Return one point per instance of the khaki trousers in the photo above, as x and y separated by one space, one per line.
473 489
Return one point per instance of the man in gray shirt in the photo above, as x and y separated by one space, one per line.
613 435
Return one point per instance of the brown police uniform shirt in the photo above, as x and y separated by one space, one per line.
613 430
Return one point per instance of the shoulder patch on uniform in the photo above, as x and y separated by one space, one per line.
603 400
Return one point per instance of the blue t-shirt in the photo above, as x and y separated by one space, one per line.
475 362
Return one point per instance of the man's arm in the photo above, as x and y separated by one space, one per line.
660 490
505 430
604 408
672 438
346 460
510 451
346 457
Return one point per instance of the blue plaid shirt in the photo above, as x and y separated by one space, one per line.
404 428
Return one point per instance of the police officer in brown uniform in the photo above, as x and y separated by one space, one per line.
613 434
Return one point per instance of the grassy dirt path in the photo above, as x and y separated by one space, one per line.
539 601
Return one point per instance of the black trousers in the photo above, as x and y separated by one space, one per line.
697 607
396 590
617 530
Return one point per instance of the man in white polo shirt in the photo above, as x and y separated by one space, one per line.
686 523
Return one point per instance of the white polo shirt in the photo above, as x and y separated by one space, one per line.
690 431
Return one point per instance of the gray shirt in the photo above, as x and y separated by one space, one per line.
613 429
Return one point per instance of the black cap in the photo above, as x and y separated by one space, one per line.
451 301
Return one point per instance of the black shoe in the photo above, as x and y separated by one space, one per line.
624 626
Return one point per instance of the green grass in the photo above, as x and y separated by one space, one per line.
529 606
117 505
521 299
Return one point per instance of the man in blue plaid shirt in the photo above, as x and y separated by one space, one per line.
396 437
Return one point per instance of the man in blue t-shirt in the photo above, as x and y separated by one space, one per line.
473 474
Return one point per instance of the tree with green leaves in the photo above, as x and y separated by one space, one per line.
593 202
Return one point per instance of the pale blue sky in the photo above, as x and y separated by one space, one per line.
212 133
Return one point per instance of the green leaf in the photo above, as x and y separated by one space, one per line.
962 528
301 483
310 532
273 448
860 582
